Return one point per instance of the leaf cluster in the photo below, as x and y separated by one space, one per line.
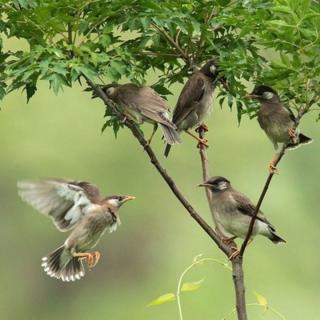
272 42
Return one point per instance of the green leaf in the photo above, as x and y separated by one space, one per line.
30 90
261 300
168 297
191 286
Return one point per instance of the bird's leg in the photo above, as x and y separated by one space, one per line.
201 141
237 251
293 135
91 258
203 127
272 166
124 119
155 127
97 256
234 254
227 241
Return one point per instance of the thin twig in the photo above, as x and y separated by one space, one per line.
301 113
154 160
175 44
206 176
237 267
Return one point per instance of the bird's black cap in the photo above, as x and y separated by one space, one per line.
260 89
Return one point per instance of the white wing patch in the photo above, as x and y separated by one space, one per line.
63 201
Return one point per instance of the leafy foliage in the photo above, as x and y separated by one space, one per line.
114 40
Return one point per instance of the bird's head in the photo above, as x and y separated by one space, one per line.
117 201
216 184
211 70
110 89
263 94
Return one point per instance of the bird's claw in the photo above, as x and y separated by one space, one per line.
273 169
203 127
234 254
292 133
228 241
124 119
91 258
202 142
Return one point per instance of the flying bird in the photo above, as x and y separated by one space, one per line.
195 101
278 122
235 211
142 103
76 206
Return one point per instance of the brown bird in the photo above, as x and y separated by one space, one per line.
143 104
278 122
76 206
235 211
195 101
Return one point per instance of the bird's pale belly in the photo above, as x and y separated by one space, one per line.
277 133
90 240
237 225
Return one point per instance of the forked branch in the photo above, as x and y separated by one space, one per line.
154 160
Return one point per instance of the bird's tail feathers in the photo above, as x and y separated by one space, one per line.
167 150
275 238
302 139
62 265
170 134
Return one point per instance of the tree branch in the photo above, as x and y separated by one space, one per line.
206 176
174 43
237 267
301 113
154 160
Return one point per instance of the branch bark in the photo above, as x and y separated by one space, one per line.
154 160
237 266
301 113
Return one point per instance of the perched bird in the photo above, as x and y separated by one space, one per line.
195 101
143 104
278 122
76 206
235 210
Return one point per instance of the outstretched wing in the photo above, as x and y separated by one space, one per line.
64 201
246 207
191 93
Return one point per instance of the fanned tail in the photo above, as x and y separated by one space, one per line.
62 265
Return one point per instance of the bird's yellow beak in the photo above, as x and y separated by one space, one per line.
250 96
207 185
127 198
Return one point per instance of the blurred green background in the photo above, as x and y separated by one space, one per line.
61 137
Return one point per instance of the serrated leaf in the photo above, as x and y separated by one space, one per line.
191 286
261 300
168 297
30 90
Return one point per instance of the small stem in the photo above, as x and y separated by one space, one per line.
301 113
238 280
175 44
206 176
195 263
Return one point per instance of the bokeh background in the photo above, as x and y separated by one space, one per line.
60 136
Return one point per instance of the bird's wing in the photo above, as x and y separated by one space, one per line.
246 207
291 114
147 102
191 93
62 200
